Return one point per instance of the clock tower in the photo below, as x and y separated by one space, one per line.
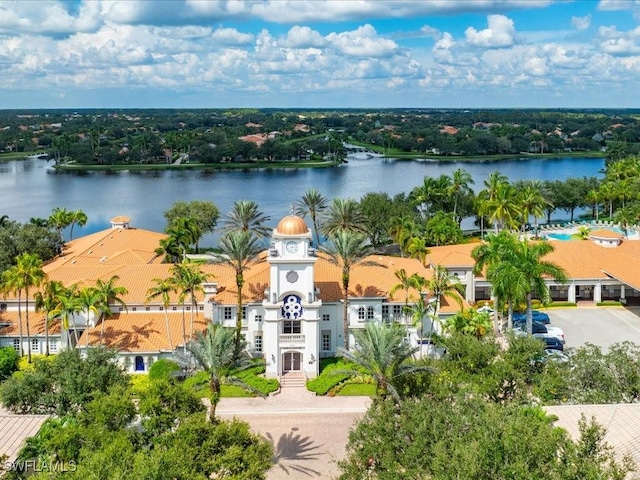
291 328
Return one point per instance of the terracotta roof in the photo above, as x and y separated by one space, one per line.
121 219
143 332
36 323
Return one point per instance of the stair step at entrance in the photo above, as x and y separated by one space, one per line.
293 380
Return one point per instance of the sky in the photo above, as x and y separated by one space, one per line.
319 54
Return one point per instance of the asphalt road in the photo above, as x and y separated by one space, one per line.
601 326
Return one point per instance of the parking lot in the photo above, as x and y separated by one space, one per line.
602 326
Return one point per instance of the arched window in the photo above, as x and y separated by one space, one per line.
361 313
139 364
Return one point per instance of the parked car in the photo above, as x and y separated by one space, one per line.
537 316
553 344
540 330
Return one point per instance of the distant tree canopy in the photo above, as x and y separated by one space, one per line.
33 238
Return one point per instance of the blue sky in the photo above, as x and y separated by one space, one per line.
320 53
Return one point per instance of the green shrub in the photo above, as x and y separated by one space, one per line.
259 382
331 376
8 362
609 303
163 370
139 384
561 304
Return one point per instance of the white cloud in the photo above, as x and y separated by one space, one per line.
500 33
303 37
231 36
363 42
581 23
430 32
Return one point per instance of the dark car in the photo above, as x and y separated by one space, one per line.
553 343
537 316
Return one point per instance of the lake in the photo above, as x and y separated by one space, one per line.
32 188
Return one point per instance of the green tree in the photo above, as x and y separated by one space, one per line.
60 219
460 185
109 293
163 289
9 359
343 215
46 301
382 353
24 276
406 283
347 249
204 213
66 307
215 352
79 218
246 216
240 250
312 203
90 301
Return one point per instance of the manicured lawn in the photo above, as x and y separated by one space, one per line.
357 390
193 166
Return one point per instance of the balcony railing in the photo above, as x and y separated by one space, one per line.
292 340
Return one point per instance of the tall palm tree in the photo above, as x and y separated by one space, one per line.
109 293
383 354
189 280
46 301
346 250
60 219
67 306
343 214
186 232
312 203
240 250
460 185
532 203
417 248
444 285
215 352
77 218
418 312
163 289
496 248
26 274
406 283
90 301
503 209
509 284
402 230
529 258
246 216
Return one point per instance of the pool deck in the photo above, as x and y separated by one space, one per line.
633 233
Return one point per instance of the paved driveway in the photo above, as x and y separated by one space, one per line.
597 325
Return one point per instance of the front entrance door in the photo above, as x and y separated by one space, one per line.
291 361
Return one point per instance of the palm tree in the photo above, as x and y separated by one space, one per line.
109 293
162 289
497 248
509 284
245 216
528 257
503 209
383 353
60 219
406 283
312 203
67 306
417 248
24 275
46 301
78 217
214 352
89 299
346 250
418 312
186 232
532 202
626 217
240 250
343 214
402 230
444 285
461 179
189 283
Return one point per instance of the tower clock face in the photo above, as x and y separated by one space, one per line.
292 247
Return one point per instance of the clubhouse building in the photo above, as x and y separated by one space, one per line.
292 296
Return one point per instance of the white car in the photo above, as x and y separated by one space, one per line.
540 330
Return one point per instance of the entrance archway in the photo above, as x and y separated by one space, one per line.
291 361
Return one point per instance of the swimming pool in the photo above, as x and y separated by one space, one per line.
560 236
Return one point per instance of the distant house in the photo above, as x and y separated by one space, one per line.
450 130
257 138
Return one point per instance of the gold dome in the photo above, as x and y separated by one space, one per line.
292 225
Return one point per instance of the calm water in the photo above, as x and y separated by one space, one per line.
31 188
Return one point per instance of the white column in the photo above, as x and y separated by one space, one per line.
622 292
572 293
597 293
